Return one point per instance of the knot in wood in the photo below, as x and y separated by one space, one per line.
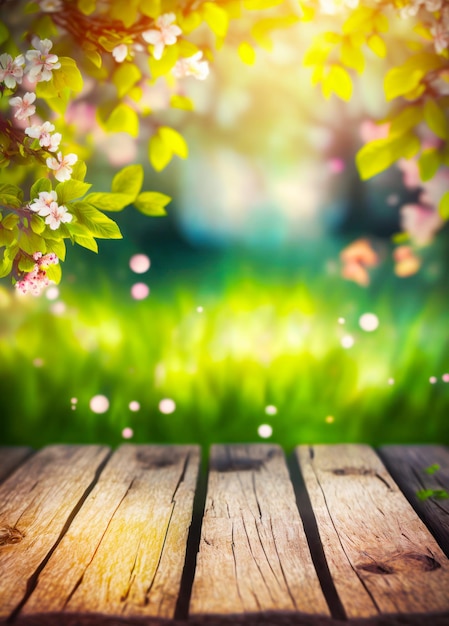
10 535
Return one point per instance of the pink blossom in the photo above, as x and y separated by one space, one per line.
192 66
57 215
33 282
165 34
370 131
440 35
43 134
410 171
356 258
120 52
43 202
62 165
357 273
42 63
11 71
25 106
420 222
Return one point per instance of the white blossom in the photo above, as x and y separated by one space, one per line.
25 106
62 166
165 34
11 70
41 62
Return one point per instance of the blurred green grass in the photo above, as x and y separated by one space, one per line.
257 342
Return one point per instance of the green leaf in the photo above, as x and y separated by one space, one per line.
159 153
443 207
337 81
71 190
42 184
5 266
109 201
438 494
163 66
123 119
174 140
37 224
86 242
378 155
8 237
79 170
57 246
152 203
31 242
435 119
352 57
128 181
11 190
99 224
10 201
54 273
432 469
10 221
68 76
26 264
428 162
400 81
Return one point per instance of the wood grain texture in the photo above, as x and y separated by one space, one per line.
123 555
381 556
36 503
253 559
11 458
407 465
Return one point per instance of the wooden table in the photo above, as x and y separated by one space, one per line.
145 535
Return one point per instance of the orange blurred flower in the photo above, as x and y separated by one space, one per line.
406 261
356 258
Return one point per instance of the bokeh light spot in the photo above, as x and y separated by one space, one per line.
391 381
52 293
341 320
58 308
264 431
432 380
368 322
99 404
139 263
330 419
199 309
38 362
127 433
270 409
167 406
347 341
139 291
445 378
134 405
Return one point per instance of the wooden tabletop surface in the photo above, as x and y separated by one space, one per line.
147 535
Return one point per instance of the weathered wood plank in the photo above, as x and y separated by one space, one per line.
407 464
36 504
382 558
253 559
123 555
11 458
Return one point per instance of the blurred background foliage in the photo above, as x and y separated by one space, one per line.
248 321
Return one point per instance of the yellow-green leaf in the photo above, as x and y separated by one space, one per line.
125 77
159 153
181 102
352 57
128 181
378 155
152 203
400 81
408 118
174 140
247 53
435 119
57 246
429 162
337 81
216 18
54 273
377 45
123 119
443 206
